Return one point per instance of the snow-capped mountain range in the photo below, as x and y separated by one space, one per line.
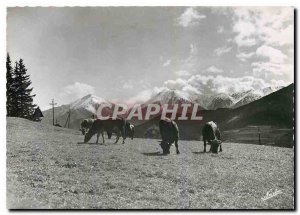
238 99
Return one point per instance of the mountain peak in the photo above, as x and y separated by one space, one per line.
169 96
89 102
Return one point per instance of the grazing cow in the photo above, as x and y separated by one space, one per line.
129 130
99 126
169 133
86 124
211 135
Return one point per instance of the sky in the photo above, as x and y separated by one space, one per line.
130 53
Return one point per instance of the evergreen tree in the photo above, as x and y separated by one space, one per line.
9 87
24 106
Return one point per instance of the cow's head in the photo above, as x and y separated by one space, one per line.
131 131
215 145
165 146
87 137
83 131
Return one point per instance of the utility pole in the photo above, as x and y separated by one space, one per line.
52 104
68 119
259 136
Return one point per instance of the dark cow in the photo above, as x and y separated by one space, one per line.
99 126
86 124
129 129
169 133
211 135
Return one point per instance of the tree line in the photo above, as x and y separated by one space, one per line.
19 97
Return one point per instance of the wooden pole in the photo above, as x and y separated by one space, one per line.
259 136
69 118
53 104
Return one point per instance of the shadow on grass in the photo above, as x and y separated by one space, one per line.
153 154
82 143
202 152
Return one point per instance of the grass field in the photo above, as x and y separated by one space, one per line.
50 167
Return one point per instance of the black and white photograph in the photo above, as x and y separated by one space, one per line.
164 107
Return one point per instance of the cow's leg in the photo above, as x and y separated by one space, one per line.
123 133
118 136
102 133
220 147
210 148
98 134
204 140
117 139
176 145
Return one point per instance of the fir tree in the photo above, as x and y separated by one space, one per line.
24 105
9 87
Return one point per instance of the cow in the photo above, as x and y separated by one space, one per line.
169 133
211 135
86 124
99 126
129 129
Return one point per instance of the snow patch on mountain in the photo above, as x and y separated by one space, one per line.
88 103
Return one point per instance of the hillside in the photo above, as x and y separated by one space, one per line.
50 168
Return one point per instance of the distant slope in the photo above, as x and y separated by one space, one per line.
275 109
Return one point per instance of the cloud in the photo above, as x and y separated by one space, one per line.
167 63
175 84
190 17
264 69
128 85
269 25
181 85
220 29
213 70
278 82
208 84
243 56
222 50
245 41
221 84
271 31
141 97
244 27
190 62
275 25
273 63
274 55
182 73
75 91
